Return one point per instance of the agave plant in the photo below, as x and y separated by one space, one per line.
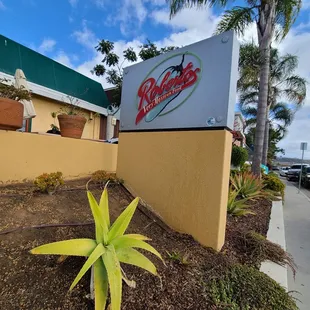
235 206
110 248
247 185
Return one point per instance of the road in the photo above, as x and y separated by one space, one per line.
297 233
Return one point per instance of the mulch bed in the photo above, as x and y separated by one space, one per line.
39 282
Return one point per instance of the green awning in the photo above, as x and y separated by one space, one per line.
46 72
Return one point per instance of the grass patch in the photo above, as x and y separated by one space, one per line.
245 288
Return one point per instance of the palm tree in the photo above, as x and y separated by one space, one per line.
275 136
283 83
266 14
280 116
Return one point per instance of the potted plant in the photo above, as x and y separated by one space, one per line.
71 119
54 130
11 111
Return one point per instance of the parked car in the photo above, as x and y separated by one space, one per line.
294 172
275 168
305 177
283 171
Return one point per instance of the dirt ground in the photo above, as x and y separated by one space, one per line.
36 282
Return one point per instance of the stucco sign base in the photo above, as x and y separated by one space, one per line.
183 176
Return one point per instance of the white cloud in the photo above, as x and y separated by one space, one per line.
189 26
305 5
85 36
157 2
2 6
73 2
132 14
46 46
64 59
297 43
298 132
99 3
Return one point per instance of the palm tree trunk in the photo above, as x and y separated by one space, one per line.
261 108
265 30
266 142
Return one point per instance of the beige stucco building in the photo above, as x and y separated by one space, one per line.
53 84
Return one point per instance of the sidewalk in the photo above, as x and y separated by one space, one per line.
297 232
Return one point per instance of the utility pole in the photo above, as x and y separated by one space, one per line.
303 147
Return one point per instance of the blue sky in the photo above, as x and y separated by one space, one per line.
68 30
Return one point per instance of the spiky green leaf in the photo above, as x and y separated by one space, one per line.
101 285
75 247
138 237
98 251
113 269
104 206
133 257
128 242
120 225
100 223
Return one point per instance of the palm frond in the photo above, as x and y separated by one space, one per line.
247 98
238 18
296 89
284 66
249 112
177 5
280 112
286 14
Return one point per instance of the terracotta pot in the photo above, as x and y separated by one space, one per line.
11 114
71 126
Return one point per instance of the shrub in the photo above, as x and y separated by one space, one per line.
239 156
105 253
101 177
245 168
259 249
235 206
243 287
49 182
272 174
273 183
233 172
247 185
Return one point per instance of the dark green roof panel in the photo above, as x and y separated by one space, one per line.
49 73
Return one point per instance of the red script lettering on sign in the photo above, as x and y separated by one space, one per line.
151 94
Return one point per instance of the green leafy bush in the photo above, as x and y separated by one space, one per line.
11 92
273 174
235 206
49 182
106 252
239 156
101 177
247 185
273 183
246 288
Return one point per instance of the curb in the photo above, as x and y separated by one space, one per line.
276 234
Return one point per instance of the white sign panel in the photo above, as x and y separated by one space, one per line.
238 122
191 87
303 146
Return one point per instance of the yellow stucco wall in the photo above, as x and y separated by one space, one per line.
182 175
25 156
44 107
